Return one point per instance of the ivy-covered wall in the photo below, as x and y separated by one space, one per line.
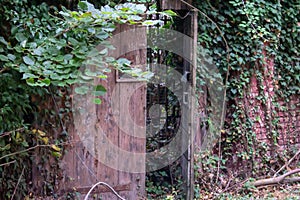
255 45
279 116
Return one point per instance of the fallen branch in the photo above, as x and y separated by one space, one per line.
276 180
289 162
291 180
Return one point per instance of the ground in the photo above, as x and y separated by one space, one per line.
280 192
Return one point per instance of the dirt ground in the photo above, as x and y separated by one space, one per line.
279 192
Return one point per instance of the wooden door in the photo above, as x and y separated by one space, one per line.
118 121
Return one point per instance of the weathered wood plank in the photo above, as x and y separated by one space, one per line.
132 105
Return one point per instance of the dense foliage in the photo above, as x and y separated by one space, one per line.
253 31
44 43
44 49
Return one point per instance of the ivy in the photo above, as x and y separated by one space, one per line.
45 49
49 46
250 28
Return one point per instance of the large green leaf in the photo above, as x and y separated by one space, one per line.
99 90
82 90
28 60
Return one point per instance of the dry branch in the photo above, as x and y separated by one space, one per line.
15 190
8 163
289 162
9 132
276 180
3 70
34 147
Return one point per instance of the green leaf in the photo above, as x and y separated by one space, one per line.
39 51
169 13
31 82
102 76
123 62
234 91
109 59
56 154
102 35
103 52
68 57
99 90
71 81
20 37
3 41
11 57
82 90
3 58
59 58
28 60
46 81
90 73
83 5
66 14
23 43
29 75
73 41
97 101
151 22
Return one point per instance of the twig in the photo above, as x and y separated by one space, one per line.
235 185
213 8
23 151
227 185
31 148
8 133
3 70
8 163
286 164
103 183
12 197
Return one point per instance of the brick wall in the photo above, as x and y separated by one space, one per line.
285 128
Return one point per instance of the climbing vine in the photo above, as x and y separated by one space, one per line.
45 48
259 34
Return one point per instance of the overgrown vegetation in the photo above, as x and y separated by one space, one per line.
256 32
42 46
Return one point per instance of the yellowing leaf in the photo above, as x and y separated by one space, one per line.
55 148
45 140
41 133
18 135
34 130
56 154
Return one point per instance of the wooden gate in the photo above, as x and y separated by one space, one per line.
121 119
121 125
